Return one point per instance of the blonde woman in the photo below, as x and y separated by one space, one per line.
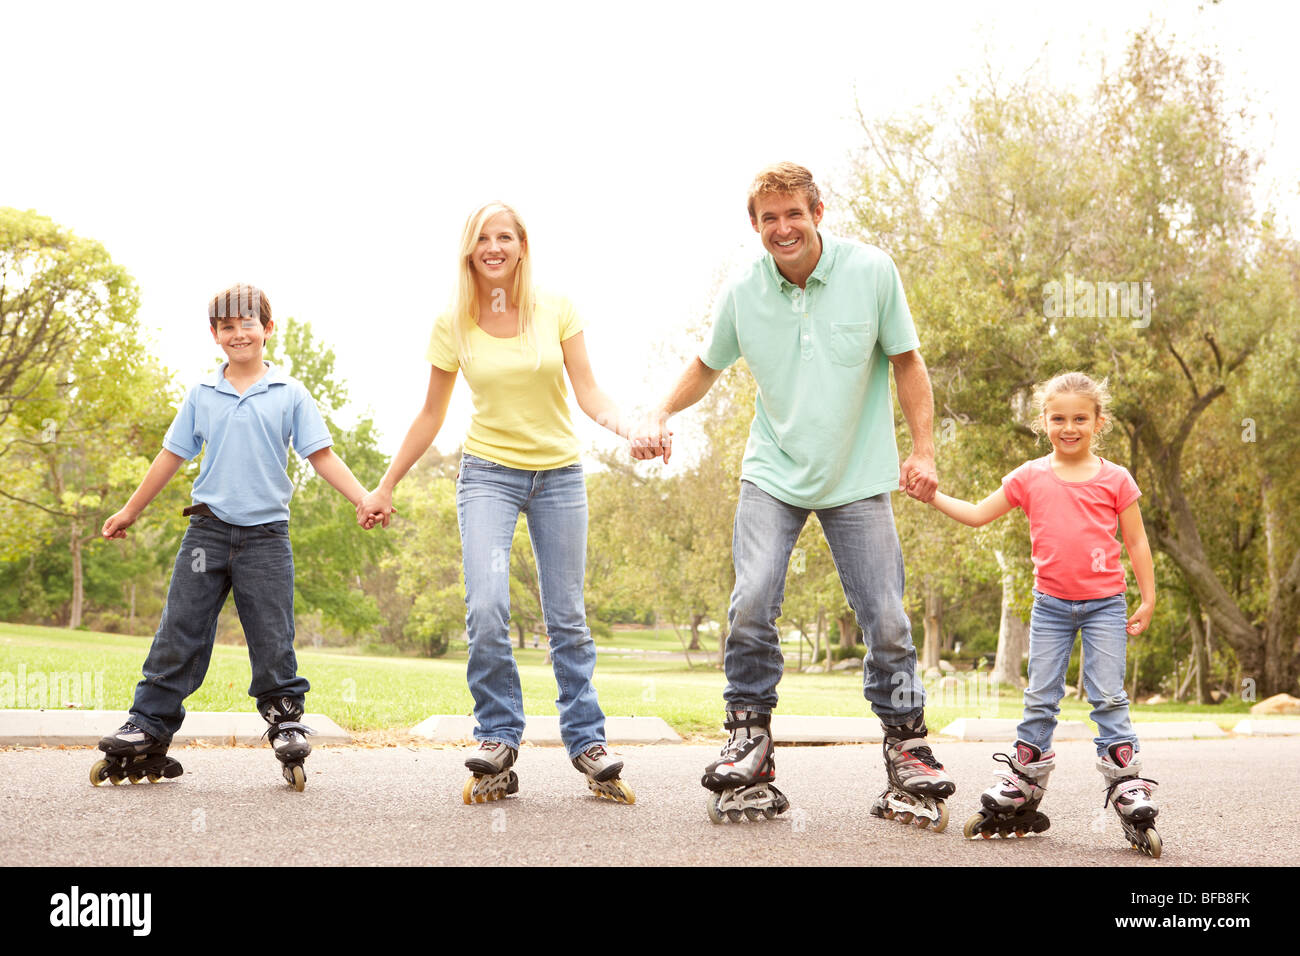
514 344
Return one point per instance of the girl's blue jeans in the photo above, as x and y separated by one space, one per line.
489 499
1052 627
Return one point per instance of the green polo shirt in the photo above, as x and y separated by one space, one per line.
823 429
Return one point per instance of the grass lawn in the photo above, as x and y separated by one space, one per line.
367 692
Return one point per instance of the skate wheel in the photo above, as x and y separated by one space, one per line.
770 812
986 835
467 793
97 774
1153 844
136 778
299 781
906 817
734 816
752 813
942 823
888 814
714 808
625 793
970 830
154 777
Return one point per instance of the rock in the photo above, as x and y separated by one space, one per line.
848 664
1277 704
1218 696
933 674
814 669
1157 699
946 666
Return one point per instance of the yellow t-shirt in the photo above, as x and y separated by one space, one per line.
521 413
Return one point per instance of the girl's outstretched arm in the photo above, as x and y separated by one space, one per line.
1139 555
990 509
600 408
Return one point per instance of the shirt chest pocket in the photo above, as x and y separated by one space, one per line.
851 342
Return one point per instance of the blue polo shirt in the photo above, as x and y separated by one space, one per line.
823 429
243 478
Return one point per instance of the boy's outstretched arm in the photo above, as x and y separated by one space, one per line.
333 469
162 470
990 509
1139 555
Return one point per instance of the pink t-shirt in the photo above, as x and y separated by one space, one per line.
1072 525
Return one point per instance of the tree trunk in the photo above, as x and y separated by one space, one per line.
848 630
933 626
78 590
519 626
1013 633
1200 655
695 632
820 635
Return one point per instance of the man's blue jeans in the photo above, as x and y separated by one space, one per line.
864 546
489 500
215 558
1052 627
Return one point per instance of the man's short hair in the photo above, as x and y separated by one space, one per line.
784 179
240 302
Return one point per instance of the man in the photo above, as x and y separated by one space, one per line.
819 321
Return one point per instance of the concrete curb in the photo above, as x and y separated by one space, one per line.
454 728
1267 728
84 728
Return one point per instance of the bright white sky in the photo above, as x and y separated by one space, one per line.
330 152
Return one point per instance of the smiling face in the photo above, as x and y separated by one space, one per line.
788 228
1070 421
242 338
498 250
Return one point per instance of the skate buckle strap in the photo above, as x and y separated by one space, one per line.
1125 784
285 726
758 720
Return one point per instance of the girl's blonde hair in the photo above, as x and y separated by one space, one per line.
465 304
1076 383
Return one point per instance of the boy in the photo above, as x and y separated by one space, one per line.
246 414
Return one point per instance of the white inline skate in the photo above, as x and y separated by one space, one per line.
1132 796
1010 806
918 784
602 770
741 778
493 779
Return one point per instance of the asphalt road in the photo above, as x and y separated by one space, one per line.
1223 802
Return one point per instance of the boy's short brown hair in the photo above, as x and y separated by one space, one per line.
240 301
784 179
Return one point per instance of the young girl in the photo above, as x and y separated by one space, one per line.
1073 500
514 345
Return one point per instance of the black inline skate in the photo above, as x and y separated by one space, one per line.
741 778
1010 806
288 736
135 755
918 784
493 779
1131 795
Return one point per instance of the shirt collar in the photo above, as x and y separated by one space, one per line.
274 376
821 274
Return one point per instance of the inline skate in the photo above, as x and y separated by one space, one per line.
493 779
602 769
135 755
288 738
741 778
918 784
1131 794
1010 806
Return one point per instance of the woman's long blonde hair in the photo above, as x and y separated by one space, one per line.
465 305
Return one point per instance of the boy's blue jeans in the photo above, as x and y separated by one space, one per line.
864 546
1052 627
215 558
489 500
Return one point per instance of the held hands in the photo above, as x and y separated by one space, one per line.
375 508
919 477
1140 619
652 438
